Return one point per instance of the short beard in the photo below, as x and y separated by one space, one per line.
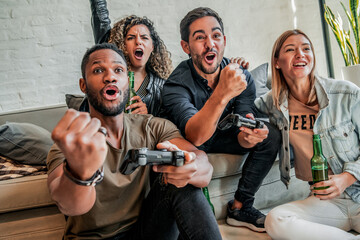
197 61
95 101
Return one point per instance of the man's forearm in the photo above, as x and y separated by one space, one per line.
204 173
72 199
203 124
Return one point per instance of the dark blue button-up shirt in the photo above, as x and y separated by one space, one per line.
186 92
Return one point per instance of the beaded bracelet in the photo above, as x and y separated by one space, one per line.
94 180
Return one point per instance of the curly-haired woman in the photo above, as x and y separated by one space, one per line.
145 53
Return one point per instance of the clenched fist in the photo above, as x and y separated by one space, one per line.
82 144
232 82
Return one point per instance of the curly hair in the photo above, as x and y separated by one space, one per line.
159 61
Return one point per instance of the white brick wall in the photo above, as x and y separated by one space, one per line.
42 41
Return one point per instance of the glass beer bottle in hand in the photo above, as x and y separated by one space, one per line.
132 92
319 166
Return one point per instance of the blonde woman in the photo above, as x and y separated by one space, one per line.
302 104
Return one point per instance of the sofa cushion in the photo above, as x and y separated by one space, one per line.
74 100
10 169
226 164
25 143
260 76
24 193
272 192
45 223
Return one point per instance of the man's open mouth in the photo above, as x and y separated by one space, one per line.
210 57
111 92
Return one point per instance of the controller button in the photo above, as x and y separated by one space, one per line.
142 161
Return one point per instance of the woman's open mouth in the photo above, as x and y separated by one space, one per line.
138 53
111 92
299 64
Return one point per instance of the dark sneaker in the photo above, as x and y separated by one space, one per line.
248 217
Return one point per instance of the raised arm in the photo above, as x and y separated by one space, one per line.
202 125
84 149
100 21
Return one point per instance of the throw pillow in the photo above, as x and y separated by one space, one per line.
74 100
25 143
260 76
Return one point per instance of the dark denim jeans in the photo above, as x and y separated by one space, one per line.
258 163
174 213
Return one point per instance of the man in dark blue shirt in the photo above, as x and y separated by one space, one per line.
203 90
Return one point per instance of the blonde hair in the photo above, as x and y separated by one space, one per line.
278 83
159 61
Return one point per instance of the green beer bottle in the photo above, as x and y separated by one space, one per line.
132 92
207 196
319 166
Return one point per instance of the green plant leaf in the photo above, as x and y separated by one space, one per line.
350 52
353 19
335 25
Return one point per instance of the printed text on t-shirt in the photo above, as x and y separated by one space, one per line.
302 122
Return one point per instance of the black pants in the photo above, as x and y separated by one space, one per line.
174 213
258 163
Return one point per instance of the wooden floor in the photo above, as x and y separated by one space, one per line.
232 233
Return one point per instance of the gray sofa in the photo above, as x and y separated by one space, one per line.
27 211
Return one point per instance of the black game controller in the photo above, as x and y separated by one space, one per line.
239 121
143 156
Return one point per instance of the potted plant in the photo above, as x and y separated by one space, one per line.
349 49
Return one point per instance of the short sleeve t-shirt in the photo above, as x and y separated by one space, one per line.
302 118
118 197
